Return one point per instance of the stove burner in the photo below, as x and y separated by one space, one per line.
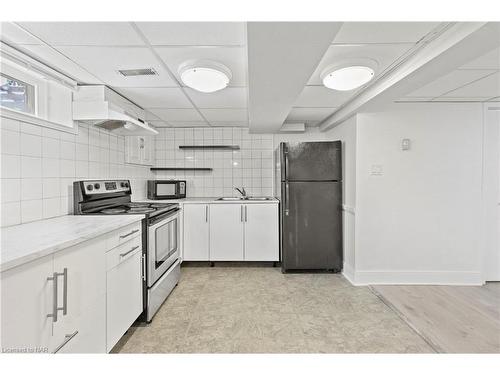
112 211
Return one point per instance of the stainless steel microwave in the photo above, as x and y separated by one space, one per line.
166 189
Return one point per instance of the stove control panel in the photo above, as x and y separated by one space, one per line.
106 186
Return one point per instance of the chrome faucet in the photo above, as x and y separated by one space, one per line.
241 191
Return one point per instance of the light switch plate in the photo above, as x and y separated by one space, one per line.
405 144
377 170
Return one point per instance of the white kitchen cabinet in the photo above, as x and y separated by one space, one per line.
196 232
231 232
84 285
148 155
226 232
261 232
124 294
27 298
139 150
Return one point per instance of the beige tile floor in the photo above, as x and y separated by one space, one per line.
261 310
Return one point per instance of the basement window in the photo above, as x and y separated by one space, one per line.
16 94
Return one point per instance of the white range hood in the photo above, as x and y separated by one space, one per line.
100 106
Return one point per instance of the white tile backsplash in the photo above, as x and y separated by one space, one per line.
39 166
251 166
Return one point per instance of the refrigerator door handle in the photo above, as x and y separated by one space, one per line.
285 154
287 198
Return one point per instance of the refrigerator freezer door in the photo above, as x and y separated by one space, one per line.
311 161
311 226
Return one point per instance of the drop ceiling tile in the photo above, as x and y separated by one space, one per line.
236 124
320 96
85 33
383 32
225 114
171 115
54 58
65 65
156 97
451 81
309 115
485 88
230 97
14 34
383 54
104 62
188 124
414 99
232 57
194 33
458 99
490 60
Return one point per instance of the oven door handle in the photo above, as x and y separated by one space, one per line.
162 217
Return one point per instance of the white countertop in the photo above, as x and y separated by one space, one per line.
207 200
26 242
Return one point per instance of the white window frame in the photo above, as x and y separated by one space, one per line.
32 72
40 89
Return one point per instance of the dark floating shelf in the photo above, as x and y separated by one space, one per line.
210 147
179 169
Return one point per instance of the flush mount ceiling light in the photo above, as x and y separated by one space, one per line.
205 76
348 76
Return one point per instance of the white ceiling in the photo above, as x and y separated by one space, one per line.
478 80
384 42
93 52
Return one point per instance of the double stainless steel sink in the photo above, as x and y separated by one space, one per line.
244 199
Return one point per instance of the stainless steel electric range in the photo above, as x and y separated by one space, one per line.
160 234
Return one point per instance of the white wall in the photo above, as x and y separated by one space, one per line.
346 132
39 165
420 221
491 191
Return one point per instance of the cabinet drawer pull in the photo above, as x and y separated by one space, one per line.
55 304
67 338
129 234
128 252
65 292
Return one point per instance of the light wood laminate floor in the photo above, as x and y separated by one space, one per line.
453 319
261 310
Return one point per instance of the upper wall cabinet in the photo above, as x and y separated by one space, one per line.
139 150
33 92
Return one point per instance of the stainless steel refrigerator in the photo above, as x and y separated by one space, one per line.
310 181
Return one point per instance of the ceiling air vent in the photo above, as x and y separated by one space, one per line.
138 72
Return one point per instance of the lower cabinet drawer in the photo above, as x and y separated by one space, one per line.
123 235
124 297
123 252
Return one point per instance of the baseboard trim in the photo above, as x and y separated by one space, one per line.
415 277
348 273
